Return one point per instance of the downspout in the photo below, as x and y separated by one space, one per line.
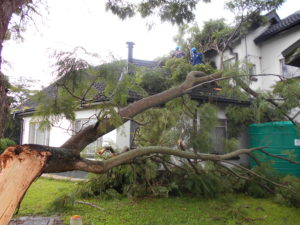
21 131
246 49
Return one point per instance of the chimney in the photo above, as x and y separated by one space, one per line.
130 51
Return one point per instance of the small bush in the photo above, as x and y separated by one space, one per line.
206 184
289 196
259 187
4 143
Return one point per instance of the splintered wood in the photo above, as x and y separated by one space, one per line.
19 166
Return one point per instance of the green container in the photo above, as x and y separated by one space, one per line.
278 137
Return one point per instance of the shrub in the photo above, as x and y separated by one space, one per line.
265 189
286 195
4 143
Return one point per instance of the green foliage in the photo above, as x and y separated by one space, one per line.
63 202
133 180
159 132
238 79
206 184
20 91
248 12
206 68
178 68
291 196
289 91
231 145
240 118
76 89
142 179
258 187
153 80
250 6
4 143
171 11
213 35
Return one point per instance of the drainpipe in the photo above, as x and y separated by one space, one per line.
21 131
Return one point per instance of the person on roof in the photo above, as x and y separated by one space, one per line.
178 53
196 57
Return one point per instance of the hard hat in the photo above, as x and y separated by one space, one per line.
177 48
194 49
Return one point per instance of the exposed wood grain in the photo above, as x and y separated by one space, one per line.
18 169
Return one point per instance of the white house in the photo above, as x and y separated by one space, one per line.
64 129
263 49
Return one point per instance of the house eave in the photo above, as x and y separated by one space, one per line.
292 54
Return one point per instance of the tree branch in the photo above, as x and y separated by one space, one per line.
88 135
246 178
259 176
103 166
279 157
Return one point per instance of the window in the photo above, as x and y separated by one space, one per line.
219 136
289 71
229 63
91 149
37 135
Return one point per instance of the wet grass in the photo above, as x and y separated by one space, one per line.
229 209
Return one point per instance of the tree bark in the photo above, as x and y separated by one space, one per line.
7 9
4 105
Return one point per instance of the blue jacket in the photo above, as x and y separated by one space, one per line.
197 58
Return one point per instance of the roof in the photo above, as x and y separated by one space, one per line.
282 25
145 63
207 93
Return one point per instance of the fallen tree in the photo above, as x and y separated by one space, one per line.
27 162
66 158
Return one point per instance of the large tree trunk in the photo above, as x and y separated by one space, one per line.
18 168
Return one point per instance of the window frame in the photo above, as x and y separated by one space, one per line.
34 128
282 70
92 148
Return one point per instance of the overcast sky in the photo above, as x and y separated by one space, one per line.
72 23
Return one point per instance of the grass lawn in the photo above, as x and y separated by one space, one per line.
230 209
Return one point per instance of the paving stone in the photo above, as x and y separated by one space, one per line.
30 220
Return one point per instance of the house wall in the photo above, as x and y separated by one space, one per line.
271 54
62 131
266 55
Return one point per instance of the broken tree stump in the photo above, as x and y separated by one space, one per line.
19 167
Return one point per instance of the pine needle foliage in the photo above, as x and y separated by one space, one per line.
134 180
288 197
